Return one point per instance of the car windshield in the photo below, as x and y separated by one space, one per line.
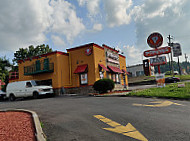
34 83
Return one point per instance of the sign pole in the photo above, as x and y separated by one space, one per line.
179 67
159 69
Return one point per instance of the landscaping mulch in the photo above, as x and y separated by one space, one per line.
16 126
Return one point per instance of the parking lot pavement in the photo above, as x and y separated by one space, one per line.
75 118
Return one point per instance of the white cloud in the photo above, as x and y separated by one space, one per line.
97 27
117 12
23 23
57 41
65 20
166 17
133 54
92 6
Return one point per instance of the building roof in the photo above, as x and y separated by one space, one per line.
84 46
44 55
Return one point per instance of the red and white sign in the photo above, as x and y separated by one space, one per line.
158 61
163 50
88 51
155 40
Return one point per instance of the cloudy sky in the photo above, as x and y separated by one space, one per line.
123 24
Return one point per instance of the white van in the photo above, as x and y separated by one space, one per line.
25 89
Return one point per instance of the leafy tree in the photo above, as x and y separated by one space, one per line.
4 74
166 68
31 51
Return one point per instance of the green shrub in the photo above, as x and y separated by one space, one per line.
103 85
167 73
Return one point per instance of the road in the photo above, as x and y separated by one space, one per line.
80 118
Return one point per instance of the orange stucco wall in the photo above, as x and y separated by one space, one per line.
122 62
66 63
99 58
78 57
60 75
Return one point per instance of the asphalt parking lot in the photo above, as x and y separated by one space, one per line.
109 118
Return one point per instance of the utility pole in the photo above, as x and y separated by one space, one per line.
171 44
186 61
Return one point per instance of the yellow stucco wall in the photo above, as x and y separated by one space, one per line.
78 57
122 62
99 58
60 75
66 63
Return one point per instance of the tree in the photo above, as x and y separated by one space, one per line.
4 74
31 51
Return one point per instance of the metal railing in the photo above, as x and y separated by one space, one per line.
33 69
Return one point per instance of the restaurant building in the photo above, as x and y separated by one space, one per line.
77 70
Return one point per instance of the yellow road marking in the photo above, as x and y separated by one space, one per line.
158 104
127 130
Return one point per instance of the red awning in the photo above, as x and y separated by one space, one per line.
81 69
125 72
103 67
115 69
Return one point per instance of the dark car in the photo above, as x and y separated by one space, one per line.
2 95
172 79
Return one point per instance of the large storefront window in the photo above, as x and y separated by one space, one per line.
116 78
83 79
101 74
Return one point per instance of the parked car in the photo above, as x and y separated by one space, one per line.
26 89
172 79
2 95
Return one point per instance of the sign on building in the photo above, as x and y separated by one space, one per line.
176 50
158 61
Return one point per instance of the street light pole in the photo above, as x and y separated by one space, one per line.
171 44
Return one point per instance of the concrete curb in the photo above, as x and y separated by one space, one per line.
111 95
40 136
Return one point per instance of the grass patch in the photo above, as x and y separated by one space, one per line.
170 91
41 123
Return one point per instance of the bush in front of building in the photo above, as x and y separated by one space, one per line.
103 85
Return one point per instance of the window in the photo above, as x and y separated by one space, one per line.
83 78
46 64
28 84
101 74
38 65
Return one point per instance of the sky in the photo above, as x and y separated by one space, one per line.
121 24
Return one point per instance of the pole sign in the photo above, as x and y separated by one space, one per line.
158 61
155 40
176 50
159 51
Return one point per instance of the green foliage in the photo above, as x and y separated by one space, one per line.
167 73
166 68
103 85
31 51
4 74
170 91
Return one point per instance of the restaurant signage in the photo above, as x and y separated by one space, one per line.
158 61
88 51
159 51
155 40
112 55
177 50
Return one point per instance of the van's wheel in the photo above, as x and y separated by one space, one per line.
35 95
12 97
